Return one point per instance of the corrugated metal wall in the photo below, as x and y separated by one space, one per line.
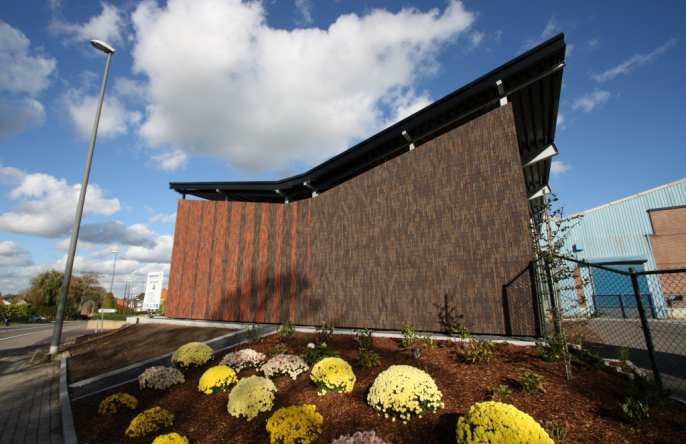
622 229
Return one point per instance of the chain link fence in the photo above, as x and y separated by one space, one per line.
614 309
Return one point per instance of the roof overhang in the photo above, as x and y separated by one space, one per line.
531 82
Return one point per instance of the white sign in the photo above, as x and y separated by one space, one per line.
107 310
153 290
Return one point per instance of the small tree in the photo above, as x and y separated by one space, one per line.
550 233
109 301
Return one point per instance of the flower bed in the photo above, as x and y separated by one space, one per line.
588 406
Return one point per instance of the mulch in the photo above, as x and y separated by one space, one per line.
588 405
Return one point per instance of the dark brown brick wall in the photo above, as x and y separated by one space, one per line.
669 246
446 222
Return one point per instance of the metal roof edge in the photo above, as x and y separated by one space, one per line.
633 196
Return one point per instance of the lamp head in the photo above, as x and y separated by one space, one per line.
102 46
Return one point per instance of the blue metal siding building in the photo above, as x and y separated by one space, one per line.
617 234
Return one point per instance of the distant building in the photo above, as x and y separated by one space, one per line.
646 231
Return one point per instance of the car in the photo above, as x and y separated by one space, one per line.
35 318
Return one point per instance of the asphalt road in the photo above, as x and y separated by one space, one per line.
25 338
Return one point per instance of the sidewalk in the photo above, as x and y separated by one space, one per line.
29 402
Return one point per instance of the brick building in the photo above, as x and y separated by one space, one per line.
428 217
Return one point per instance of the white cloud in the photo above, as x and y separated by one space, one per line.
161 252
557 167
130 88
18 114
551 28
588 102
633 62
80 245
163 218
264 98
20 72
47 205
304 7
22 77
107 26
116 232
115 119
11 255
561 120
106 253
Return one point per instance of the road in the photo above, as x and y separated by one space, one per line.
24 338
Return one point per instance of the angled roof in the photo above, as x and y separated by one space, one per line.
532 82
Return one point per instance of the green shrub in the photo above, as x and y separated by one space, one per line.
286 331
428 342
553 349
623 358
409 335
278 349
644 395
501 391
364 338
479 351
253 334
636 411
556 431
324 332
593 358
532 382
313 355
368 358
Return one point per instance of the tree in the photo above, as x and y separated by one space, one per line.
45 288
109 301
549 234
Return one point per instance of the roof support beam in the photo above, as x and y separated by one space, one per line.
407 137
279 192
501 92
308 184
533 194
540 154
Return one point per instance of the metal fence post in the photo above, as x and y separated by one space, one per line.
646 327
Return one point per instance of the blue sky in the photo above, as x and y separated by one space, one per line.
224 90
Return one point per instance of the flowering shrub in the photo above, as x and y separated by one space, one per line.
243 359
295 424
495 422
193 354
217 379
149 421
285 365
403 391
251 396
160 377
333 375
113 403
171 438
359 438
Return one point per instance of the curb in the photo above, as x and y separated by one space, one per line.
128 374
68 430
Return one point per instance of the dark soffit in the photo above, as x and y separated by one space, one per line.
531 82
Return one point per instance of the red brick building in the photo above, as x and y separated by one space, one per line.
429 216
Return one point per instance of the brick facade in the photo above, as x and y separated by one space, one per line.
443 225
669 246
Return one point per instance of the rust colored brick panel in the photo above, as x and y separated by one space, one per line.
218 264
172 308
446 223
202 277
192 249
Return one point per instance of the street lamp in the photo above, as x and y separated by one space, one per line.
127 294
59 317
113 268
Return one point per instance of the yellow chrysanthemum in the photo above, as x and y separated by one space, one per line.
217 379
149 421
333 375
171 438
295 425
113 403
193 354
497 423
403 391
251 396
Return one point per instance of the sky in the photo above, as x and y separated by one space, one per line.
230 90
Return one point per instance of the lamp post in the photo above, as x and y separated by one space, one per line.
127 295
114 268
59 317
